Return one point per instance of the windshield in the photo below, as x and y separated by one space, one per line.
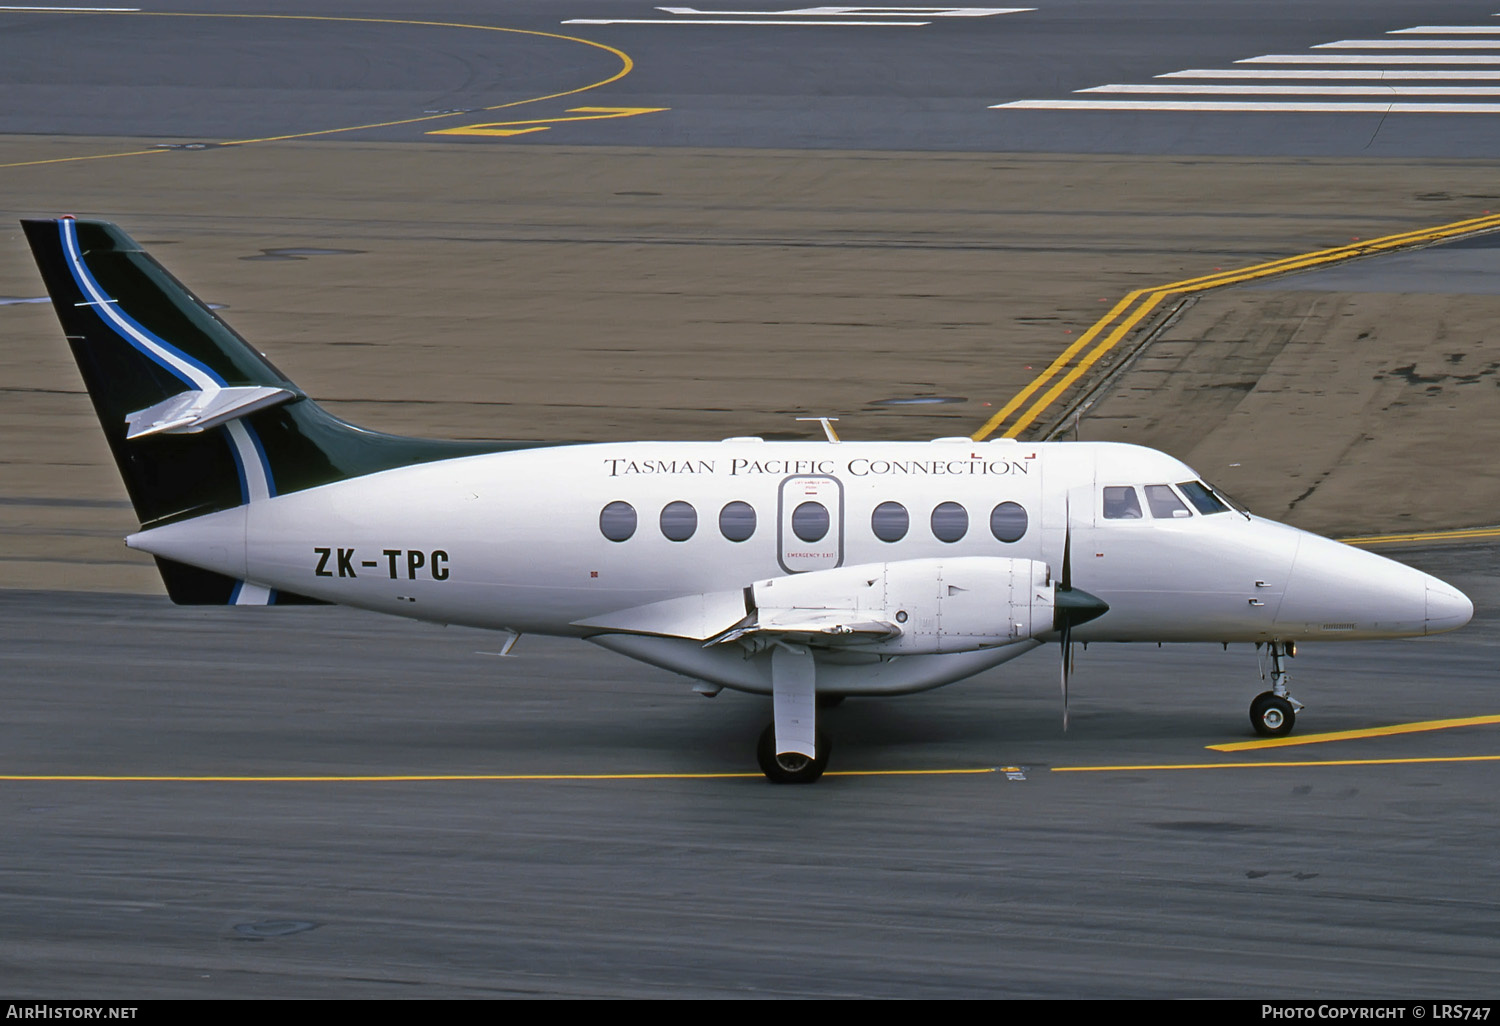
1218 493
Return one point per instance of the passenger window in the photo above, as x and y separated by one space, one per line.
737 521
1199 495
678 521
810 521
1164 503
1120 503
889 521
617 521
950 522
1008 522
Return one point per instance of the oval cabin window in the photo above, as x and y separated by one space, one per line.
737 521
678 520
890 522
810 521
950 522
1008 522
617 521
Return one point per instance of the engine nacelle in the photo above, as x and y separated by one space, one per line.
911 607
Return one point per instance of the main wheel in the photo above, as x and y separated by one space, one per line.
1271 715
789 768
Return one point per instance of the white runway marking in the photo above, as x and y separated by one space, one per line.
1297 107
840 16
1331 74
863 12
1371 58
1409 44
1472 30
725 21
1302 86
1304 90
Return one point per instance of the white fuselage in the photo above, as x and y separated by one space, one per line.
517 540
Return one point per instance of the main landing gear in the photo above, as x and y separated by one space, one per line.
790 767
792 750
1273 713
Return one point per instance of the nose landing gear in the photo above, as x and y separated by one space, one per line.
1273 713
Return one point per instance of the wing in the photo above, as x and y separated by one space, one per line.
907 607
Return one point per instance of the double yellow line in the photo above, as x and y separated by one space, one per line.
1461 534
1129 312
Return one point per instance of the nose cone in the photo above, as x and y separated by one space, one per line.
1340 592
1447 607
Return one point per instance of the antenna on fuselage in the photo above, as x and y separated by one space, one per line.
827 423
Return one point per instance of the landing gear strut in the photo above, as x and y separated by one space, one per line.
790 767
1273 713
792 750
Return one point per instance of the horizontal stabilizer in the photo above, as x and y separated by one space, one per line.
200 409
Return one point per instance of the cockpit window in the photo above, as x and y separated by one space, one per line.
1230 501
1120 503
1164 503
1201 496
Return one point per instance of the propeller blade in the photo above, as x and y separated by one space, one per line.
1070 607
1065 583
1067 668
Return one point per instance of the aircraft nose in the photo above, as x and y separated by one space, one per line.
1447 607
1336 591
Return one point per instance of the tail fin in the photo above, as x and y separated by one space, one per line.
198 420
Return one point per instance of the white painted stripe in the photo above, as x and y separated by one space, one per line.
249 456
1370 58
1471 30
704 21
1409 44
252 595
255 473
863 12
87 10
1270 105
1333 74
1298 90
105 306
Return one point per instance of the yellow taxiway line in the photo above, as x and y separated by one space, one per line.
1104 334
626 66
428 778
1350 735
1459 534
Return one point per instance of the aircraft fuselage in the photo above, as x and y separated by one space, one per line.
518 540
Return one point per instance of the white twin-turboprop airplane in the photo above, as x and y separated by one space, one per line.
807 571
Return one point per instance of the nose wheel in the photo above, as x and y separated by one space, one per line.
1273 713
